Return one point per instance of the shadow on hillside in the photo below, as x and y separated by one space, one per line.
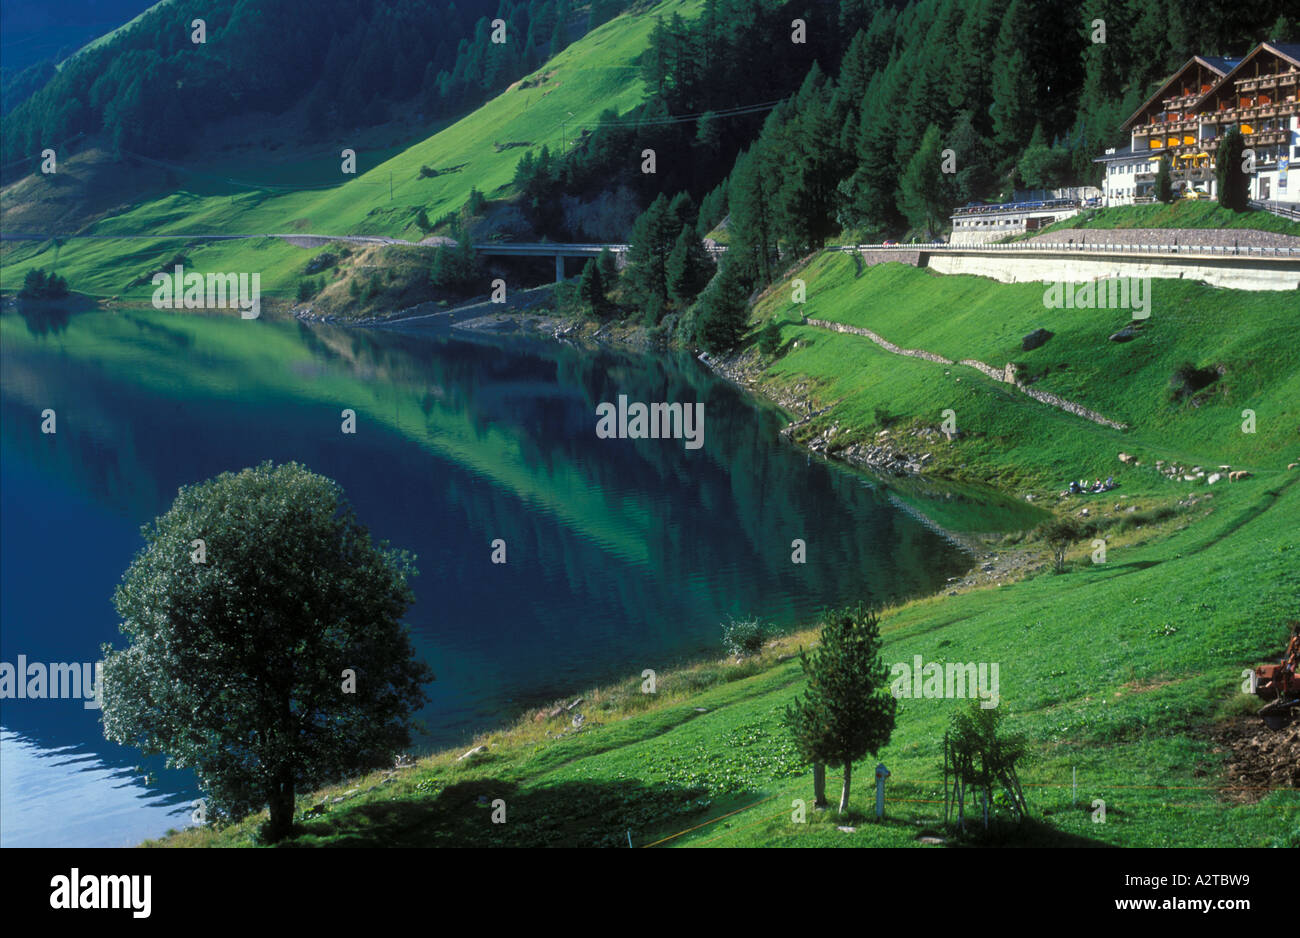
1138 565
1031 832
569 814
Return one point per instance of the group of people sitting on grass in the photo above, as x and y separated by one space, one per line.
1081 487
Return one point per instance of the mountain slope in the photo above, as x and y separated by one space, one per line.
479 151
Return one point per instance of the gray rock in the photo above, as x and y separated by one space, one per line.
1127 334
1035 339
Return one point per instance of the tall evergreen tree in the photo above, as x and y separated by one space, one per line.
1231 180
1164 187
847 711
750 194
591 288
688 266
723 310
653 238
923 198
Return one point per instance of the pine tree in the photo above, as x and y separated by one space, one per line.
921 188
687 267
750 195
1013 103
846 711
652 242
1285 30
1232 182
591 289
608 269
1164 187
723 310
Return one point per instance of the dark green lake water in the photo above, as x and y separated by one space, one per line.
622 554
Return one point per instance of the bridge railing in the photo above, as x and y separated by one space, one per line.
1061 247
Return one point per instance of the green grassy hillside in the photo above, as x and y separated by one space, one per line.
1119 670
1127 671
599 71
1010 439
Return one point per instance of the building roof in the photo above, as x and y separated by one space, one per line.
1220 65
1120 154
1289 51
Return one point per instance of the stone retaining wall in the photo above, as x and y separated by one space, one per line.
1001 375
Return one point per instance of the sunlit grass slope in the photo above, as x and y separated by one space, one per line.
1119 670
480 151
1006 436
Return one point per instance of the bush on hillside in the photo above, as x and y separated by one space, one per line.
1187 380
744 636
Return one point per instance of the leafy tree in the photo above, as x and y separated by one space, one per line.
753 225
979 756
846 711
477 201
241 666
1232 182
1061 534
975 176
1013 102
769 343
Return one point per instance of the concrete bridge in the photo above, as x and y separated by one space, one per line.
551 249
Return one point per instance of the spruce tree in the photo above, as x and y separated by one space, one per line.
723 311
1164 187
652 241
591 290
922 195
687 265
1232 182
847 710
608 269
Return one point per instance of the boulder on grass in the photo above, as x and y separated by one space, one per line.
1035 339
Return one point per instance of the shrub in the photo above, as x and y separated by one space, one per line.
743 636
1060 534
322 261
769 342
1187 380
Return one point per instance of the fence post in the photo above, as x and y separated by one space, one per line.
881 774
